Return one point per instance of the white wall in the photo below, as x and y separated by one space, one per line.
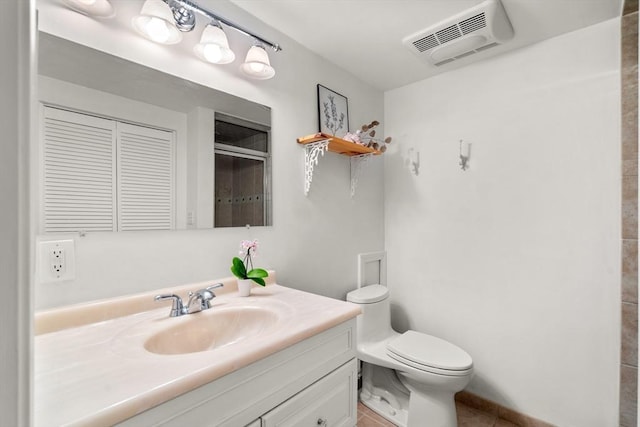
314 241
517 259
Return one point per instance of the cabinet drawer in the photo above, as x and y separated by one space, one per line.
329 402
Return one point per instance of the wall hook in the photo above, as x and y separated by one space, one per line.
465 151
413 161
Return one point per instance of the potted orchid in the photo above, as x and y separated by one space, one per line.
243 268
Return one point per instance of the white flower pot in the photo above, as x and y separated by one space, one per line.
244 287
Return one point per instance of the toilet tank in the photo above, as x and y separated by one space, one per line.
374 324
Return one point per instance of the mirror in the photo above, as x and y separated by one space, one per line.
87 86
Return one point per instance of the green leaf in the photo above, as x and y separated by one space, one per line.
258 280
257 275
257 272
236 273
238 269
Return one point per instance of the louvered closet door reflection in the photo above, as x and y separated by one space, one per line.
146 178
78 172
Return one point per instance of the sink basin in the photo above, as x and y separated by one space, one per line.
211 329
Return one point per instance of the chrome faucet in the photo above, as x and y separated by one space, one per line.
203 295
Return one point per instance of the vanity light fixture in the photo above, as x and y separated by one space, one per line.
256 65
97 8
156 22
164 21
214 46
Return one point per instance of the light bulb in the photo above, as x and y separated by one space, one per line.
212 53
257 67
97 8
157 30
156 23
256 64
214 46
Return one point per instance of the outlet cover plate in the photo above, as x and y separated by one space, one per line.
56 260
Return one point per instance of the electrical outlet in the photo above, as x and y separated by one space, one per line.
56 261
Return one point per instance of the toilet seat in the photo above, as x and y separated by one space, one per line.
430 354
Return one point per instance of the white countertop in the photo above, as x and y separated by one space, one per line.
98 374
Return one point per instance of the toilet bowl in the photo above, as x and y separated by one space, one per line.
410 378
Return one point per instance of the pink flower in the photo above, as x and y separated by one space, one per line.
248 250
248 247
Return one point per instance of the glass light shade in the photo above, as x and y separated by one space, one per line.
214 46
156 23
256 65
98 8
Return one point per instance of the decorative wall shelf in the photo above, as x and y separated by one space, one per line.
319 143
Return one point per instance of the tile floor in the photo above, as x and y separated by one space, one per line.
467 417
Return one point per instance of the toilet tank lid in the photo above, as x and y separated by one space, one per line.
368 294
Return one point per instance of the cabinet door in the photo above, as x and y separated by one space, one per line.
78 172
329 402
102 175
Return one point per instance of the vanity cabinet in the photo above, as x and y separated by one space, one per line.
326 403
310 383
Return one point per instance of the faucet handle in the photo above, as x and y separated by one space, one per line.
208 294
212 287
205 296
177 308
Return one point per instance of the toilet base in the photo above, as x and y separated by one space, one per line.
384 394
382 407
428 403
407 401
440 411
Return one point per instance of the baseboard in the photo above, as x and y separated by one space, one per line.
502 412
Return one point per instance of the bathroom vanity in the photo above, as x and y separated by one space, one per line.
278 357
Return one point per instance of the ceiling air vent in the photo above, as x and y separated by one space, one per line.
477 29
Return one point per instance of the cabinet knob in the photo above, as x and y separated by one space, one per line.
322 422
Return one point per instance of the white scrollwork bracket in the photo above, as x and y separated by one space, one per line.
312 152
357 163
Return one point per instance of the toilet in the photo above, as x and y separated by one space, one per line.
410 378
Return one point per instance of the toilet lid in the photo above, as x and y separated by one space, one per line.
425 351
368 294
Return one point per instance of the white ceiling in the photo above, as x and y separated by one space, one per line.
365 36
